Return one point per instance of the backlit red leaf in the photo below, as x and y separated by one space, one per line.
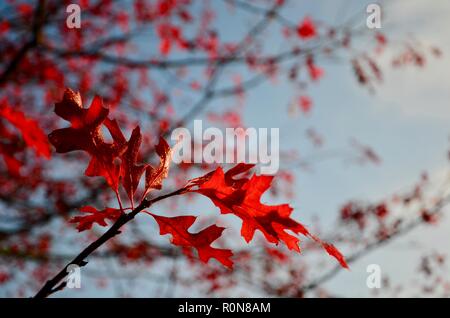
333 251
155 176
243 200
131 171
85 134
85 124
242 197
178 227
85 222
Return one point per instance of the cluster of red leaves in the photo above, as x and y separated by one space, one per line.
170 34
171 17
85 134
382 220
39 246
357 213
118 163
242 197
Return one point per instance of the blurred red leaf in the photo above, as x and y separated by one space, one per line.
306 28
305 103
32 134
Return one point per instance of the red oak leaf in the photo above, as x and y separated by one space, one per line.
85 134
132 172
178 227
243 200
85 129
306 29
154 177
85 222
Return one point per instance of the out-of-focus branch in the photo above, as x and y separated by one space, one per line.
375 245
38 22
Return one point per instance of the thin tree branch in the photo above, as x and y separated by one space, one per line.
38 21
437 209
53 285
